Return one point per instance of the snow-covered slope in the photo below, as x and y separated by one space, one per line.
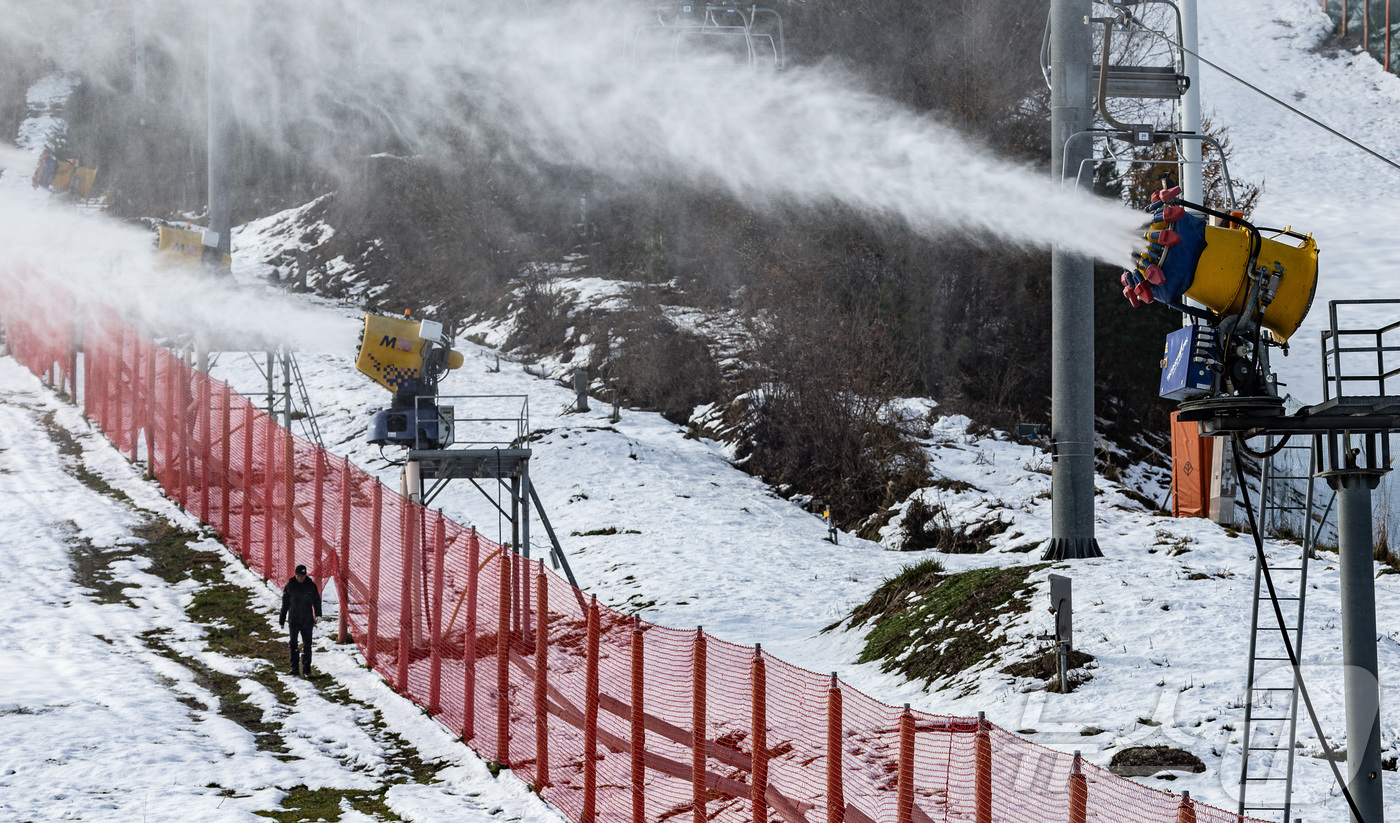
106 709
1314 181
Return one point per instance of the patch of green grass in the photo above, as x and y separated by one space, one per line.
610 530
927 625
72 463
302 803
92 569
233 702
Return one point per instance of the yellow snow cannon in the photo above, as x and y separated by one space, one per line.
1234 269
408 357
393 351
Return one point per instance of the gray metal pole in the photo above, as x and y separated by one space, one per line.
271 388
1072 297
1358 584
1192 179
220 168
287 389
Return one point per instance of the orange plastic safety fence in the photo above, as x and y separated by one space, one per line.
635 722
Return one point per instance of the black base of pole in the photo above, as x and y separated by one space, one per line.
1071 548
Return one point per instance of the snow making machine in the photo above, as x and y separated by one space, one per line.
1245 288
408 357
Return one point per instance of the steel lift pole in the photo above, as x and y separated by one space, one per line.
1072 296
220 131
1192 182
1354 548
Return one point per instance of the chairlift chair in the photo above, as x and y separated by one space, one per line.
1168 82
681 31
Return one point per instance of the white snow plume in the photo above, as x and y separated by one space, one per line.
555 78
111 263
16 159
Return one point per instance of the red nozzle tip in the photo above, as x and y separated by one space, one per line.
1132 296
1155 275
1164 237
1144 292
1170 194
1171 214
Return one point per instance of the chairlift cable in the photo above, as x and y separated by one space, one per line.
1174 44
1287 642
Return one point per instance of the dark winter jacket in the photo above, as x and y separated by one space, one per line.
300 601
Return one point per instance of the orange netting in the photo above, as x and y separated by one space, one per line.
611 718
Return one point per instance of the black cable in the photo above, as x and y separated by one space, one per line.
1263 455
1129 15
1288 644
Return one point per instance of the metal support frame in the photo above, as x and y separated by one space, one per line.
510 468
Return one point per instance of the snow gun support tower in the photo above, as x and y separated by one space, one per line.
472 439
1252 288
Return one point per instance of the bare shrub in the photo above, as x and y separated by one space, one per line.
814 418
653 364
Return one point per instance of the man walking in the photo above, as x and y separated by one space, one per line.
301 602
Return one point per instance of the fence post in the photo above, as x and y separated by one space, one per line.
590 717
983 763
697 728
136 391
245 539
168 464
269 491
103 362
469 640
206 447
225 463
503 661
1186 812
904 789
289 503
835 790
541 679
408 519
318 512
150 421
372 603
342 566
1078 791
440 558
638 721
78 335
758 795
183 470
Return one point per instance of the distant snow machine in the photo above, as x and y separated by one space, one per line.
1254 287
408 357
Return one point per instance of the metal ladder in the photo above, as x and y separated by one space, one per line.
291 376
308 423
1271 689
